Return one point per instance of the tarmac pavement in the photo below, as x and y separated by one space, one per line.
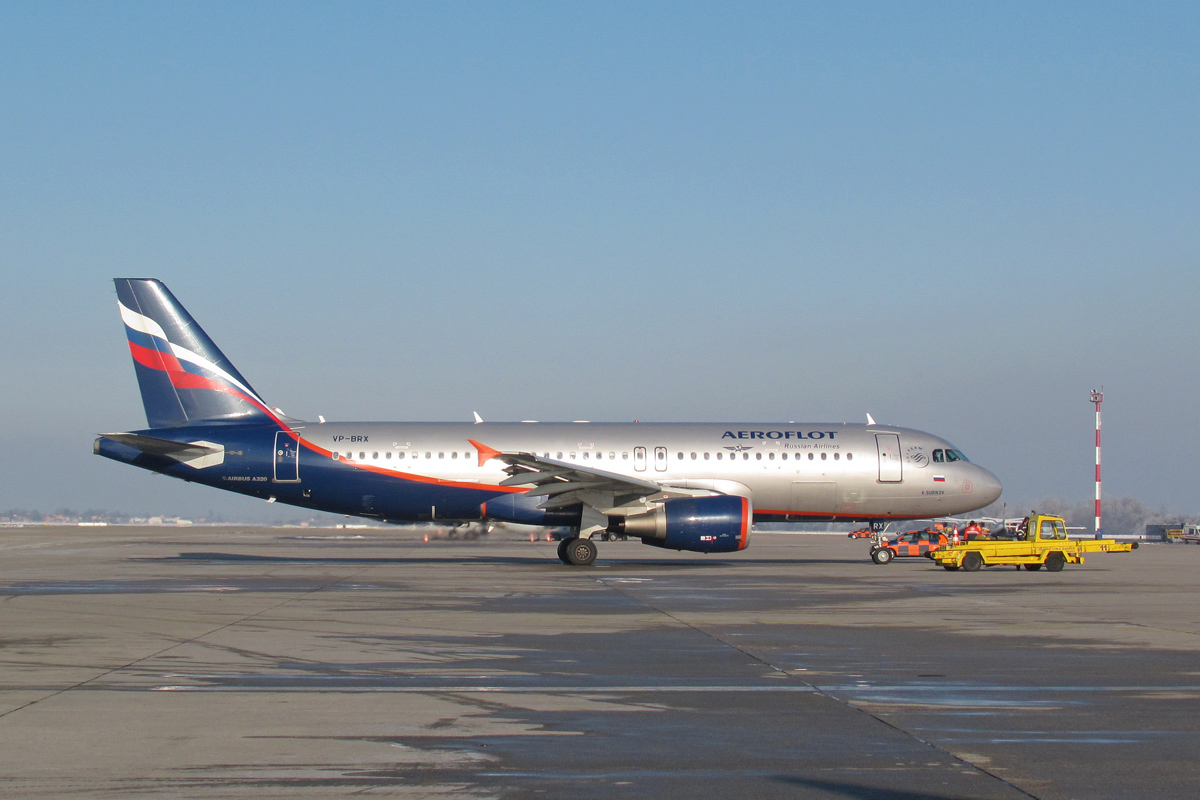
272 663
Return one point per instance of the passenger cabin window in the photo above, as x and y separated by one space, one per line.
837 456
824 456
810 456
849 456
399 455
771 456
783 456
758 456
559 456
362 456
706 456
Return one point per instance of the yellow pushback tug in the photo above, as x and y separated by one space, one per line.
1042 541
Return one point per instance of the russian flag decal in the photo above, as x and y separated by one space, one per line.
939 478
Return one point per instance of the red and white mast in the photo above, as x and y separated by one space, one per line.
1098 398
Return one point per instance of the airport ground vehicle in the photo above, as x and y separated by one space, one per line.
1044 542
906 545
1179 532
861 533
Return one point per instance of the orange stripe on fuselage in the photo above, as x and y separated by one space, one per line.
409 476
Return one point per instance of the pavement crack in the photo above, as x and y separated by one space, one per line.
817 689
174 645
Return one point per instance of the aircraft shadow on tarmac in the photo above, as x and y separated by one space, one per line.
858 791
533 560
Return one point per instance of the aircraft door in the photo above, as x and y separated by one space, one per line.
639 459
660 459
287 458
891 468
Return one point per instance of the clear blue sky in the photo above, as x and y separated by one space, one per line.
957 216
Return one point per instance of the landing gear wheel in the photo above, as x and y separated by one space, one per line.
882 556
562 550
1056 561
580 552
1033 567
972 562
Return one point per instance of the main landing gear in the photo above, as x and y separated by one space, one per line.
577 552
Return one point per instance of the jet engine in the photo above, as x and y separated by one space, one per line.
718 524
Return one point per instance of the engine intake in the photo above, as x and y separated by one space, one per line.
701 524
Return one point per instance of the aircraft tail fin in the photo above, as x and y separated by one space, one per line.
183 375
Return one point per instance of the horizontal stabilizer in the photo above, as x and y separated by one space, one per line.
194 454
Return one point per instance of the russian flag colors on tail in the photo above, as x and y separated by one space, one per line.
183 376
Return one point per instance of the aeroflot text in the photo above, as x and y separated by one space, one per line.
778 435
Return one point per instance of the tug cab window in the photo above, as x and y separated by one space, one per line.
1053 529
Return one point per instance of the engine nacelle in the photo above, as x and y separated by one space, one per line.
702 524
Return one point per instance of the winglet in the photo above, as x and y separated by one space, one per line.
870 420
478 419
485 453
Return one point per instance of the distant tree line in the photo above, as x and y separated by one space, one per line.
1120 516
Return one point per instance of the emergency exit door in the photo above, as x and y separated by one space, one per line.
891 468
287 458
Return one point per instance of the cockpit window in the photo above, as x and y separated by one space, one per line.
939 456
955 455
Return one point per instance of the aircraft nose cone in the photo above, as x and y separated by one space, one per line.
987 487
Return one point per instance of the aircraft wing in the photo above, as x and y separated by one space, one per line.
564 484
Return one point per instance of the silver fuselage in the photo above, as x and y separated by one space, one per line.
794 471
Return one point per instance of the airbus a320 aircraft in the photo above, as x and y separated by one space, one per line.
679 486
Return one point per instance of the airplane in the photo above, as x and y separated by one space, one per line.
682 486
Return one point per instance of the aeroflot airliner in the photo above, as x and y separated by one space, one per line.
679 486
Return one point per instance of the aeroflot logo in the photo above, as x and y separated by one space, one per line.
778 435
